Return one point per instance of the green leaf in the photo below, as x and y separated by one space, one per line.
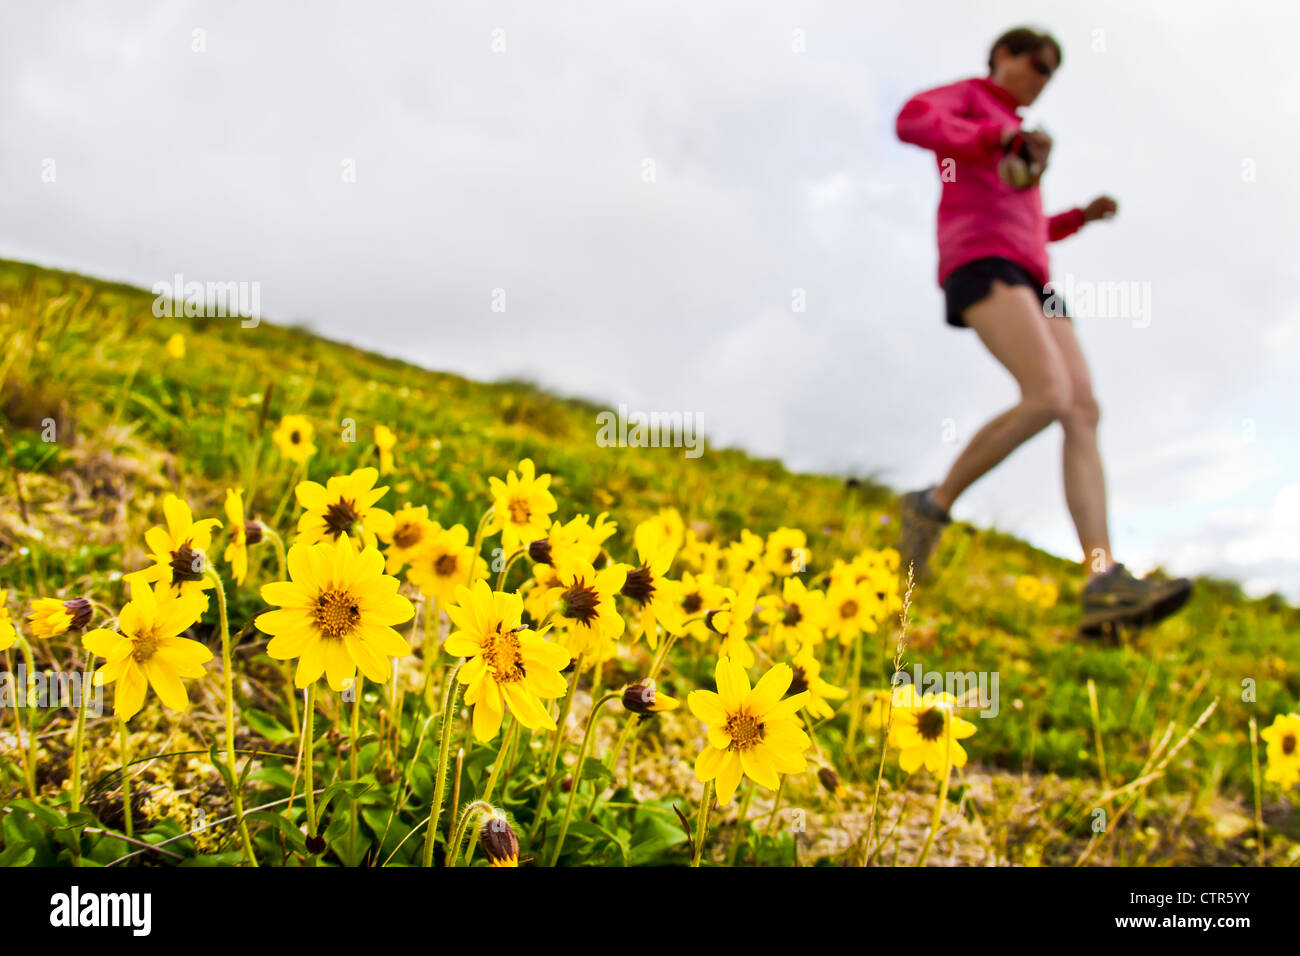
18 854
654 835
351 789
50 817
277 777
268 726
279 821
593 769
220 764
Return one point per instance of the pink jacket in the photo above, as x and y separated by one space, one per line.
979 214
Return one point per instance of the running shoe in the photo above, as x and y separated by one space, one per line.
1116 599
923 521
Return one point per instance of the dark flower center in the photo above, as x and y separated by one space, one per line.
849 609
294 437
693 602
930 723
1288 744
800 682
579 602
186 564
446 565
792 615
640 585
340 517
408 535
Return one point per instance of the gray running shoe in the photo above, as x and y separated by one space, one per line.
922 523
1117 598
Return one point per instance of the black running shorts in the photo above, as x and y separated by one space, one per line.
972 282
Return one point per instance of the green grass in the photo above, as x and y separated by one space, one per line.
134 423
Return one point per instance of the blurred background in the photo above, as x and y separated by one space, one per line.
704 208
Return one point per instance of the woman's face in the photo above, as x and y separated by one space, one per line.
1024 75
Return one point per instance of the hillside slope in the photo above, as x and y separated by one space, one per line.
133 419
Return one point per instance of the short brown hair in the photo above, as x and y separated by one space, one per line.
1025 40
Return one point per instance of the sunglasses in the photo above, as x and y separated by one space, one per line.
1041 68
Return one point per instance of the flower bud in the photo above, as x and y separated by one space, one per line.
644 699
499 841
831 781
79 610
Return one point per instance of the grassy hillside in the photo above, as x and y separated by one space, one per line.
133 420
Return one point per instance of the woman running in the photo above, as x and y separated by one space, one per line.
993 268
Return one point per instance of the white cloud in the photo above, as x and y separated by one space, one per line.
774 170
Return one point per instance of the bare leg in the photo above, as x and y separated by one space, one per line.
1011 325
1085 482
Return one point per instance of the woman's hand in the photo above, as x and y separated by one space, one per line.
1040 146
1103 207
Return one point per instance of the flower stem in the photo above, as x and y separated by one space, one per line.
77 740
1254 778
634 720
503 755
309 747
702 824
429 649
565 706
577 775
444 752
855 683
28 775
742 824
455 791
277 544
476 808
501 578
776 805
299 472
943 791
663 656
230 717
353 757
478 544
126 779
28 661
629 729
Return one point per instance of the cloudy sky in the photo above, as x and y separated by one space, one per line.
649 186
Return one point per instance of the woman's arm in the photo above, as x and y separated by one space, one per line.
1064 224
933 120
1071 221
